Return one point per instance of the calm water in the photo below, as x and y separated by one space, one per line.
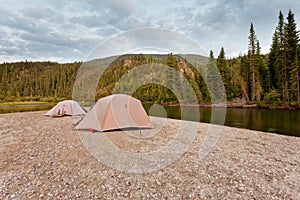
285 122
24 107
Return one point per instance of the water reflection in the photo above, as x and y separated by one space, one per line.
271 120
23 107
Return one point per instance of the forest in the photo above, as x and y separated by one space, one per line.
37 81
254 78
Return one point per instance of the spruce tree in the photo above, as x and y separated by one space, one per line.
211 55
223 68
272 63
295 78
281 58
262 74
252 47
292 39
214 82
245 77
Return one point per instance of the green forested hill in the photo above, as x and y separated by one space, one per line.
36 80
138 68
160 92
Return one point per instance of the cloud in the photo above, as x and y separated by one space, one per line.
35 13
70 29
120 9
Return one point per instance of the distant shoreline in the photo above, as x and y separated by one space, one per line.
232 105
201 105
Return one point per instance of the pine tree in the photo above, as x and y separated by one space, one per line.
292 39
262 74
214 82
245 77
272 63
252 52
295 78
223 69
211 55
281 58
171 61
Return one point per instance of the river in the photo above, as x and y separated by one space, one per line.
9 108
286 122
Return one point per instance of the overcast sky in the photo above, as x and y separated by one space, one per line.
66 31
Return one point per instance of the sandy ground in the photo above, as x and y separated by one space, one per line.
46 158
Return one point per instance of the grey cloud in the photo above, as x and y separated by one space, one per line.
53 39
147 38
22 23
38 13
40 51
118 8
133 23
94 20
116 14
8 50
70 29
213 26
101 13
40 32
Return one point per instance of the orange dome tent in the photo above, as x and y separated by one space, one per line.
116 111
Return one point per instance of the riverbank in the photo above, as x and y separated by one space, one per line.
24 106
242 105
42 157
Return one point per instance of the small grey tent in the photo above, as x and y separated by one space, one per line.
67 107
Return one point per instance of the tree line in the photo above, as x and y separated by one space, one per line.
25 81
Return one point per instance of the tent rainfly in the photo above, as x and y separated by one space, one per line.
67 107
117 111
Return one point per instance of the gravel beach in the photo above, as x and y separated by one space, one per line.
46 158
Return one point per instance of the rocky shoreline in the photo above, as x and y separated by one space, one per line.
44 158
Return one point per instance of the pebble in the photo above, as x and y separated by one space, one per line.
241 188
